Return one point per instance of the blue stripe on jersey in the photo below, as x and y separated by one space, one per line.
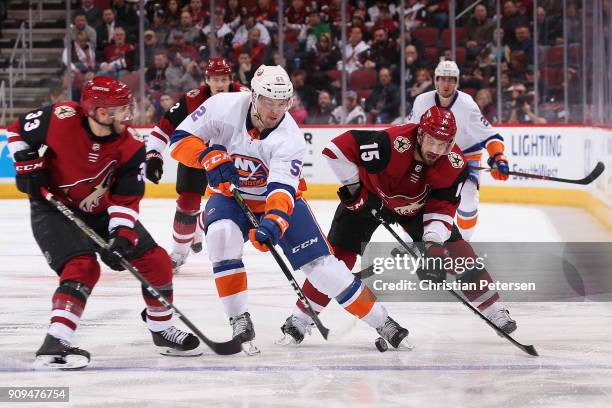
228 265
280 186
347 293
496 136
178 135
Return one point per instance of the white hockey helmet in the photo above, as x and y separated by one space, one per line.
271 81
446 69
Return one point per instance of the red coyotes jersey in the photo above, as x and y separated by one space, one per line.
190 101
387 167
93 174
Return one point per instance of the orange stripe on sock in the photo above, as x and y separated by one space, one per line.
231 284
466 224
363 304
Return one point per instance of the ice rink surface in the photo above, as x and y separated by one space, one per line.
457 361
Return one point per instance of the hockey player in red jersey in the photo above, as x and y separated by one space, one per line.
94 163
190 182
411 175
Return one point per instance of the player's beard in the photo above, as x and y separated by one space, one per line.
429 158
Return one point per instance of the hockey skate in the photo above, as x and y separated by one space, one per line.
174 342
294 331
196 244
178 260
394 334
242 328
58 354
500 316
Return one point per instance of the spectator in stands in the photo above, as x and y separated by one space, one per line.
324 56
186 51
242 33
411 40
106 31
472 77
414 8
321 113
312 31
351 113
523 42
233 14
354 50
246 69
479 31
295 15
382 51
484 99
254 47
373 12
80 25
412 62
307 94
386 22
172 13
548 27
190 33
574 23
298 111
166 102
180 74
198 13
126 18
162 30
517 66
521 111
223 33
266 13
151 46
83 56
384 101
511 19
118 56
437 13
357 20
423 83
92 13
155 75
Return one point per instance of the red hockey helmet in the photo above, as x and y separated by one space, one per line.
104 92
439 123
218 66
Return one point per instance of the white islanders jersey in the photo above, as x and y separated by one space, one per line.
276 158
473 130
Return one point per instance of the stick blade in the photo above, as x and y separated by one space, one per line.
599 168
227 348
530 350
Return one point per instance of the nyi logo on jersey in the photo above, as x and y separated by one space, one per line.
252 171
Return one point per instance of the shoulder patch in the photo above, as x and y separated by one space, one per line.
64 111
193 93
455 160
401 144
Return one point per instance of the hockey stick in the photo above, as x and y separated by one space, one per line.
596 172
281 263
529 349
233 346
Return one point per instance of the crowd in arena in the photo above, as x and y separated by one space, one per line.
177 49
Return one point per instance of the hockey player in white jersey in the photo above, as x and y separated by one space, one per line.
474 133
247 140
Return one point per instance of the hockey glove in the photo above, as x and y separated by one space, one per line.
432 269
31 172
270 231
122 242
219 168
364 202
155 166
499 164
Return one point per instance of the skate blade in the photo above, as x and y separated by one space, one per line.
286 341
405 345
57 362
250 349
165 351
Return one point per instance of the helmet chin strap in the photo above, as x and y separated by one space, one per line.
256 113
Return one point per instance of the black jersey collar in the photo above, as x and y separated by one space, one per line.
102 139
439 105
